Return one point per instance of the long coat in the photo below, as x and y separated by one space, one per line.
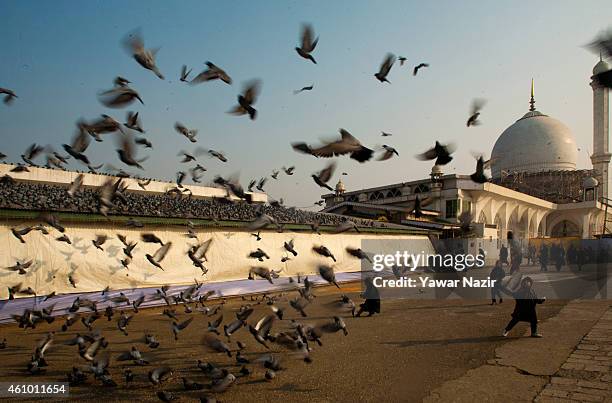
525 305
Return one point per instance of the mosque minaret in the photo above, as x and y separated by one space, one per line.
601 154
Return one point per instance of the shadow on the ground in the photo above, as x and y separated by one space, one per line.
465 340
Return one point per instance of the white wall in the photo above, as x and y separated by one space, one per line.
97 269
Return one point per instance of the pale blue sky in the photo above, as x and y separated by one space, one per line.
58 55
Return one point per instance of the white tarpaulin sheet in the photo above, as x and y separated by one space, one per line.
94 269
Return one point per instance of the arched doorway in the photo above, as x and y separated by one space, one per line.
564 228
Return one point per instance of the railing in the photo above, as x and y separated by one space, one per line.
608 204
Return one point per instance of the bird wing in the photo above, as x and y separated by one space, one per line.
134 42
200 252
428 155
387 63
308 43
252 91
184 324
80 141
264 325
326 174
161 252
477 105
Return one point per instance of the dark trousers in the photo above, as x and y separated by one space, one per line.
496 291
514 321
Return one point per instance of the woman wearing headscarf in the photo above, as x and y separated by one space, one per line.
525 307
371 305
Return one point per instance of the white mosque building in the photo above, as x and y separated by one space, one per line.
536 189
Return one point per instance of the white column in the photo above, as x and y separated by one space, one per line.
601 155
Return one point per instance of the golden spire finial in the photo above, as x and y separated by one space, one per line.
532 101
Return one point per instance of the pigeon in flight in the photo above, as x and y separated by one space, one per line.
75 185
308 44
213 72
133 122
21 267
418 67
99 241
79 145
441 153
261 184
388 153
218 155
289 247
177 327
247 99
402 60
327 273
119 97
9 96
134 43
385 134
477 105
307 88
323 251
358 253
159 255
479 176
189 133
127 152
325 175
385 68
346 145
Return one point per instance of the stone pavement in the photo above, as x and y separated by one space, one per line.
586 376
526 368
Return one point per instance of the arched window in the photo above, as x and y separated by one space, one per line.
482 218
421 188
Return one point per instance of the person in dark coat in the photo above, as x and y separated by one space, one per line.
525 307
543 258
572 255
559 257
581 257
371 305
516 257
497 274
531 254
503 254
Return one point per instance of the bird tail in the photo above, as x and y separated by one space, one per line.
302 148
362 155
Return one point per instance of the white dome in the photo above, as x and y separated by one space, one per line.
534 143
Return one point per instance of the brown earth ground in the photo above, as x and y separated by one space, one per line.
410 349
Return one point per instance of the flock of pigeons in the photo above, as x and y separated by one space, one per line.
219 331
300 339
